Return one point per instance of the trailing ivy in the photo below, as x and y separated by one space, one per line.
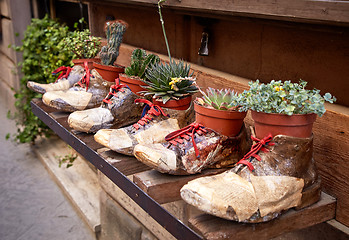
43 52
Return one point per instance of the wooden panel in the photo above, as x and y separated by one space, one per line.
164 188
216 228
297 10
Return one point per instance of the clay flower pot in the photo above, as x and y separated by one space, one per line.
107 72
228 123
89 61
181 104
133 83
297 125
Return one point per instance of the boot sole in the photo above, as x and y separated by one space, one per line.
310 195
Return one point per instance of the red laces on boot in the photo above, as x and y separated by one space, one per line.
86 78
186 133
258 146
64 72
114 89
154 110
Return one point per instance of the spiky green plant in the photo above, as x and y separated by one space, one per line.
221 99
114 31
140 61
171 80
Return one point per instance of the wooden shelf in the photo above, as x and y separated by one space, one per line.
327 11
151 188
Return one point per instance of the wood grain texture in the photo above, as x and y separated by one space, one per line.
164 188
216 228
297 10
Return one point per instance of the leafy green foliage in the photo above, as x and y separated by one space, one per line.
285 98
42 54
221 99
67 159
169 81
114 32
82 44
140 62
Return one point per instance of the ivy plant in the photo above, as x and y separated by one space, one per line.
42 53
284 98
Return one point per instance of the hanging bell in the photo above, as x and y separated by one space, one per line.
203 51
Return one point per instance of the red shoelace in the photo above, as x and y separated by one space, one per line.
187 133
154 110
258 146
64 72
114 89
86 78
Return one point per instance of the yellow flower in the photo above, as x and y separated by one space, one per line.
277 88
173 83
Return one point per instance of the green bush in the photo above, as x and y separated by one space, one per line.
43 52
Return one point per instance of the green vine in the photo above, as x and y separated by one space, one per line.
43 52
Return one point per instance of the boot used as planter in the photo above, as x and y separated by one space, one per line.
193 149
277 174
67 78
89 92
155 124
117 110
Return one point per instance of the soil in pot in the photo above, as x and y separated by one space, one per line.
181 104
109 73
228 123
132 82
297 125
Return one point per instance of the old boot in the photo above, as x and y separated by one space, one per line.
117 110
87 93
155 124
277 174
67 78
192 149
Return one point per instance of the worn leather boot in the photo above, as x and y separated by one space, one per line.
192 149
87 93
67 78
155 124
118 109
277 174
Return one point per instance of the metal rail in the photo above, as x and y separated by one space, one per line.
154 209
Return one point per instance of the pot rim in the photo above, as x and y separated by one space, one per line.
217 113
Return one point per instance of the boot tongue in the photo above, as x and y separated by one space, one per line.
85 80
65 71
149 111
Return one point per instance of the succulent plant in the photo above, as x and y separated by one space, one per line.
114 31
221 99
285 98
171 80
82 44
140 62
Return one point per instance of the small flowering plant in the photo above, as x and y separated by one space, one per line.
284 98
220 99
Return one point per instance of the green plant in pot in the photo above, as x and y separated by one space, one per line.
84 46
220 110
280 104
114 31
171 84
135 73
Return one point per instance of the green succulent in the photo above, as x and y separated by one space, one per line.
114 31
284 98
171 80
221 99
140 62
82 44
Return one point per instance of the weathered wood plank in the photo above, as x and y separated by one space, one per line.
216 228
164 188
126 164
298 10
79 183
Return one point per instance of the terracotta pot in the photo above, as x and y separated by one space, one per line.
297 125
107 72
88 60
228 123
133 83
181 104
